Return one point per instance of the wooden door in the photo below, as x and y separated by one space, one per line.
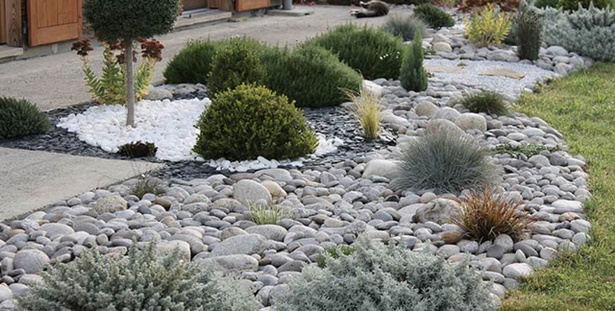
188 5
10 22
2 23
51 21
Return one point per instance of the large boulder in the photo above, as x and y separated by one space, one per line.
249 191
31 260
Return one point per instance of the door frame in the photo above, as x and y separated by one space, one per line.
10 20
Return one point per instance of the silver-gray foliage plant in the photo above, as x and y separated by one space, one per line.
139 281
380 278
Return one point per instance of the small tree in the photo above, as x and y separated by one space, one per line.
127 21
413 76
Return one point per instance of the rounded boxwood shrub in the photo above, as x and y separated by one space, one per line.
444 162
19 117
373 52
251 121
139 281
310 75
237 62
434 16
375 277
193 63
405 27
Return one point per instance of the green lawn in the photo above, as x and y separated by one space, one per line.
582 107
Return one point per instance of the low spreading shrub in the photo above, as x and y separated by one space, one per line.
443 162
504 5
588 32
139 281
235 63
333 252
310 75
486 101
529 35
413 76
434 16
193 63
367 109
268 214
138 149
488 26
374 53
486 214
405 26
251 121
379 278
19 117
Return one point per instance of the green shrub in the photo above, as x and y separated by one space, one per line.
139 281
379 278
541 4
333 252
374 53
147 184
19 117
488 26
138 149
413 76
268 215
434 16
252 121
405 27
529 35
486 101
444 162
237 62
310 75
588 32
193 63
573 5
486 214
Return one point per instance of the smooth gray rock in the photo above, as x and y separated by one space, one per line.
57 229
239 262
30 260
110 204
516 270
248 191
271 232
241 244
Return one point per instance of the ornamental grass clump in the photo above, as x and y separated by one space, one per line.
485 214
139 281
262 214
405 26
375 277
310 75
434 16
193 63
367 109
485 101
444 163
487 26
374 53
19 117
251 121
413 76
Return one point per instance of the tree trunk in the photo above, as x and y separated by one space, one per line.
130 83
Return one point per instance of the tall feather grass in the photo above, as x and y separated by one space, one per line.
367 109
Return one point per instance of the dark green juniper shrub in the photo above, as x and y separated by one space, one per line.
138 149
193 63
251 121
19 117
445 163
309 75
379 278
405 26
237 62
413 76
434 16
529 35
486 101
139 281
374 53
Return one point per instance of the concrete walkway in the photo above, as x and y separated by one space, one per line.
31 180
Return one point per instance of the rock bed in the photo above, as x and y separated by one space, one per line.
332 202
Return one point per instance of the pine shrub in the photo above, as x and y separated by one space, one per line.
139 281
374 53
379 278
405 27
310 75
488 26
588 32
19 117
445 163
529 35
485 214
237 62
193 63
413 76
434 16
251 121
486 101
